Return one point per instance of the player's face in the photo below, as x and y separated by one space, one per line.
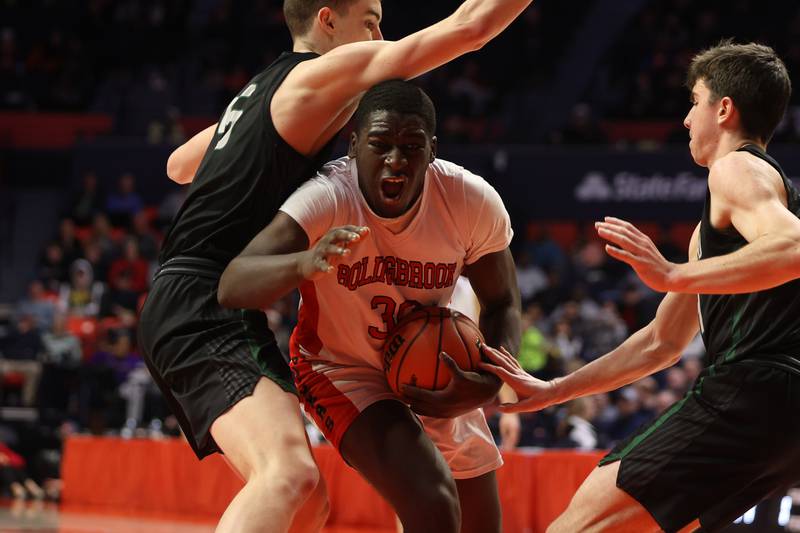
392 153
702 123
361 22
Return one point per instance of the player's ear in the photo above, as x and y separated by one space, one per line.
351 151
434 146
325 20
725 109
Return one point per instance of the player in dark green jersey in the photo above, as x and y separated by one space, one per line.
735 438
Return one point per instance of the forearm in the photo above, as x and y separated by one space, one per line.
256 281
487 18
502 326
639 356
766 262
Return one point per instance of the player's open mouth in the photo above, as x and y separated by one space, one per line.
392 187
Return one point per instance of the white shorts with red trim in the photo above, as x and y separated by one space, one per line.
334 395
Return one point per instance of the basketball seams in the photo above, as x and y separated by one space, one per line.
478 334
438 350
466 346
408 347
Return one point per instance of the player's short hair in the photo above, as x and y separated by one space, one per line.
399 96
753 76
299 14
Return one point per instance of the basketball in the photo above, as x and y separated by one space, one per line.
411 352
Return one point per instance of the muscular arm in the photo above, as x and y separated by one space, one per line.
267 268
494 280
277 260
652 348
183 163
747 194
307 108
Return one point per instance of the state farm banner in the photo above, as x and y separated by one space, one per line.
589 183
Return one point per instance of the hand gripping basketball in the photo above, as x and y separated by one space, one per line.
330 250
430 359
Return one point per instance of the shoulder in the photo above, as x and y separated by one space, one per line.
456 178
743 177
334 176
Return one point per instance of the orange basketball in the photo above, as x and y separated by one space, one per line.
411 352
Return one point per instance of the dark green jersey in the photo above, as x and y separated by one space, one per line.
761 326
245 176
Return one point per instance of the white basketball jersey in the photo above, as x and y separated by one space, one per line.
344 316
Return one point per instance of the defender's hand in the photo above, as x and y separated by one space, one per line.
465 392
330 250
637 249
534 393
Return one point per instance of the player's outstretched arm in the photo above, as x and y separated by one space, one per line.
277 260
316 92
745 194
493 277
184 161
652 348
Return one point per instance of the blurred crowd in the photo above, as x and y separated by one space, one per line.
151 64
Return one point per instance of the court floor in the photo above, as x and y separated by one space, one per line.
21 516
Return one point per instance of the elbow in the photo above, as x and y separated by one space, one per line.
478 33
225 295
664 350
175 170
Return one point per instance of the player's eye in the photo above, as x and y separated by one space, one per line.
379 145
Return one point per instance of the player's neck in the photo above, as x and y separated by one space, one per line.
730 142
309 44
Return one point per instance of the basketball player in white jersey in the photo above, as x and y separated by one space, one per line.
405 225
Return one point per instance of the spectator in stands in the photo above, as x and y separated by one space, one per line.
102 406
534 347
60 346
665 399
531 279
132 264
82 295
630 415
576 429
52 269
68 240
87 201
677 380
125 202
39 304
145 236
99 261
103 237
120 300
605 331
20 356
582 128
568 345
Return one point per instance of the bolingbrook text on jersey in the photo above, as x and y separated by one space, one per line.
396 271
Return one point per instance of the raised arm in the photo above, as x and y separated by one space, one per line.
184 161
310 101
278 259
749 195
652 348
